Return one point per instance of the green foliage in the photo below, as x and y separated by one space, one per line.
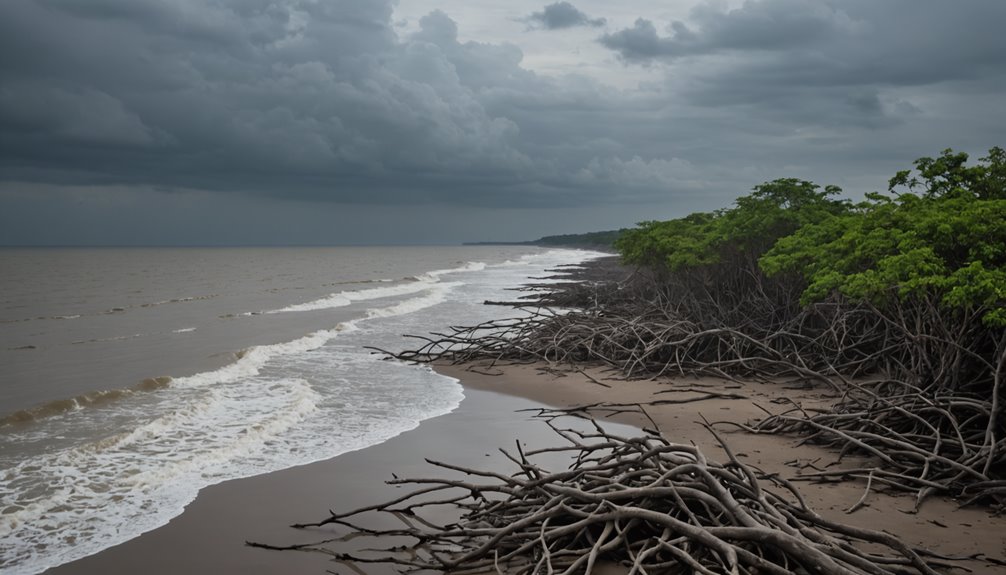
673 244
775 209
939 232
948 242
948 176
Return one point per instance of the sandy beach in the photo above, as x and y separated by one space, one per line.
940 524
209 536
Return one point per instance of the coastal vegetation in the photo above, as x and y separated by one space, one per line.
899 301
896 304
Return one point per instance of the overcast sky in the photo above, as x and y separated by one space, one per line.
372 121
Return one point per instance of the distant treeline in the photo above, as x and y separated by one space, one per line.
593 240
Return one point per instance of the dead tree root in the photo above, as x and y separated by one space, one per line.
932 414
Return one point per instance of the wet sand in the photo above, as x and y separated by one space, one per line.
209 536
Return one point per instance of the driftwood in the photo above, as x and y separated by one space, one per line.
641 502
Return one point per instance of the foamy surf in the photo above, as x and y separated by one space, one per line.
242 420
274 407
345 298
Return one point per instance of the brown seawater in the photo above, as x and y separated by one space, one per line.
132 378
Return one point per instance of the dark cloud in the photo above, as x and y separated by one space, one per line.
321 110
757 25
561 15
296 98
903 42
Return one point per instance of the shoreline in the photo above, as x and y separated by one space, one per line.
95 468
209 536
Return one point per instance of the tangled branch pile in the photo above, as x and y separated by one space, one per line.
929 444
642 502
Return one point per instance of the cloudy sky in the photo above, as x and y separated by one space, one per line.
375 121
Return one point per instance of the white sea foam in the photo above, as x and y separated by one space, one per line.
345 298
106 492
253 359
434 294
184 330
103 493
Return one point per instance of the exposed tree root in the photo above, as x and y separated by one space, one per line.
931 415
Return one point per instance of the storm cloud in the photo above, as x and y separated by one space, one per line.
315 100
838 65
240 104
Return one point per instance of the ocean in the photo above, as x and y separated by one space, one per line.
130 378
